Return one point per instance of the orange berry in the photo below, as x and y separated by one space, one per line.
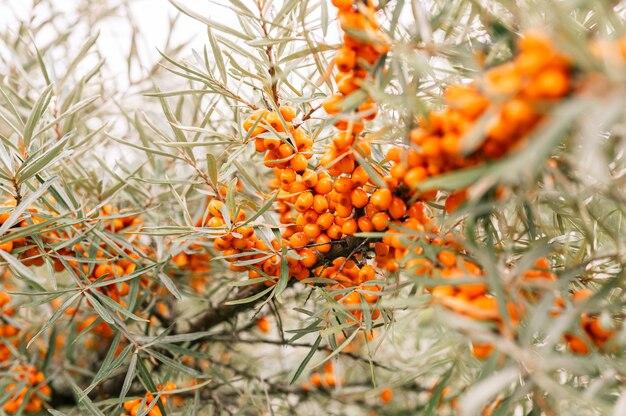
581 294
359 198
325 220
329 379
349 227
324 243
365 224
215 207
271 143
549 83
447 258
347 84
312 231
345 59
393 155
331 104
284 151
334 232
316 379
386 395
309 178
274 120
343 211
381 221
263 324
598 331
454 200
343 185
298 240
414 176
368 110
398 171
308 257
299 163
343 5
8 246
324 186
397 209
381 199
482 351
367 273
288 113
578 346
304 201
359 176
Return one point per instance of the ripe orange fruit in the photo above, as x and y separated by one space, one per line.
288 113
215 207
324 243
381 199
309 258
482 351
304 201
343 185
343 5
386 395
359 198
365 224
263 324
298 240
349 227
309 178
359 176
397 209
324 186
299 162
331 104
381 221
312 231
345 59
414 176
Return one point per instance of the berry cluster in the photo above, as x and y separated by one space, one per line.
140 407
28 390
325 379
593 331
503 107
8 331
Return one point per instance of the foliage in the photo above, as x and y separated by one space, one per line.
339 207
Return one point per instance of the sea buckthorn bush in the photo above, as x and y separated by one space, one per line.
335 207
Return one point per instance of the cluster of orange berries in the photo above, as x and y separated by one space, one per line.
274 133
357 18
241 244
28 252
335 202
472 299
354 62
329 377
7 330
108 267
348 274
197 263
325 379
135 407
468 298
594 333
504 106
28 392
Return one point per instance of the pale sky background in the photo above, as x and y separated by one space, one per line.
150 16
